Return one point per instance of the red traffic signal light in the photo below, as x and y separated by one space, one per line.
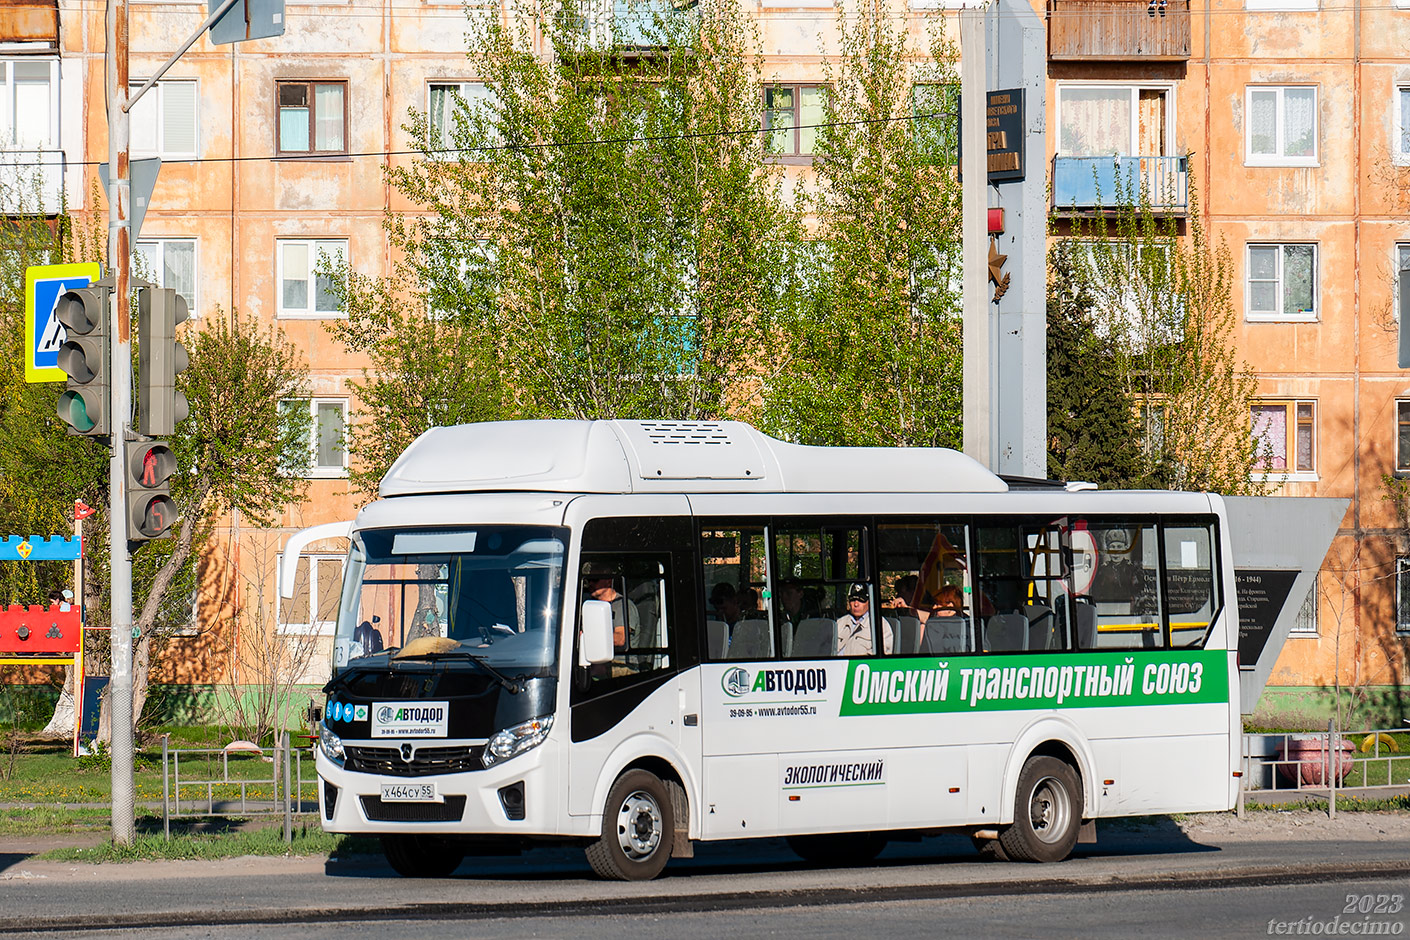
151 512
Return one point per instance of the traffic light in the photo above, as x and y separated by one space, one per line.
150 509
159 358
86 357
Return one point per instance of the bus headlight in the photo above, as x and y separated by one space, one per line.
516 740
330 744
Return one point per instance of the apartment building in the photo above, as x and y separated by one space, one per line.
1292 116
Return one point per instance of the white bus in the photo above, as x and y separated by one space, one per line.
637 635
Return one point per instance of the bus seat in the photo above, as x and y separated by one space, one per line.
1005 632
1040 625
907 631
945 635
1086 617
786 635
816 639
716 638
750 640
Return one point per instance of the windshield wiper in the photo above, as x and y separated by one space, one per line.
515 686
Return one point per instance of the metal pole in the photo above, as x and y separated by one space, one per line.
119 245
978 390
288 806
1333 765
166 791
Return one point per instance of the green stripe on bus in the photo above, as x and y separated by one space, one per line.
1006 683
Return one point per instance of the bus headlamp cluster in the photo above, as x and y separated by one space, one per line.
330 744
516 740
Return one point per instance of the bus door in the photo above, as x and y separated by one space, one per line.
636 705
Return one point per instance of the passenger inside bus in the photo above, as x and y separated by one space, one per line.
626 620
724 601
854 628
946 628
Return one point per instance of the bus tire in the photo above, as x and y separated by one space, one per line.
638 829
422 856
990 850
838 848
1047 813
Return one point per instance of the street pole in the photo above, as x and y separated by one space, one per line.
120 582
979 398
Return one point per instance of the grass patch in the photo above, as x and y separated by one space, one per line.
49 819
309 840
1345 804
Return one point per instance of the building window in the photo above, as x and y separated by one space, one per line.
1285 433
1400 127
327 420
1400 287
1107 120
1281 125
312 118
171 262
1282 282
1402 594
447 99
303 291
1402 436
30 88
1306 622
163 122
792 114
936 108
313 608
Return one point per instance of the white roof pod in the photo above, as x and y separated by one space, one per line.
665 457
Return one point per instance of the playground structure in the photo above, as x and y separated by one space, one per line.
33 635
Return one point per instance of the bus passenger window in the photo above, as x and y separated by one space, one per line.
1117 575
823 603
635 588
735 569
1189 582
925 584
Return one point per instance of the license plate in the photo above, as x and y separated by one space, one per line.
410 793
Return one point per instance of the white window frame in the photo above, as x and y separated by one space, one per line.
1308 626
314 469
158 272
1401 417
1280 116
1280 316
1399 251
461 86
314 626
1399 145
7 103
156 99
1402 576
1134 89
314 246
1291 473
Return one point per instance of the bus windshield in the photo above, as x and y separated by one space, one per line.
493 592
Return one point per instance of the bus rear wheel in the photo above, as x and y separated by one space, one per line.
422 856
638 827
1047 812
838 848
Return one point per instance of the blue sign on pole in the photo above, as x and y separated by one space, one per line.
43 285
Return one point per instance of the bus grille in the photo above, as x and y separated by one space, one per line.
425 761
450 811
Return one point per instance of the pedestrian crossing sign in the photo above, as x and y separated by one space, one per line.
43 285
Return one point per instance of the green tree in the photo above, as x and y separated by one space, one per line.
244 455
874 349
1093 432
1164 298
600 237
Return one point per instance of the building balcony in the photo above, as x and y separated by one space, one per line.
31 182
624 26
1082 185
1107 30
30 22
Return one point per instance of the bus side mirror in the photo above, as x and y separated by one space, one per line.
596 644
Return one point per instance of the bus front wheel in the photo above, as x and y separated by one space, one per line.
1047 812
422 856
638 827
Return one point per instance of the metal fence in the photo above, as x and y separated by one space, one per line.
1326 762
278 790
